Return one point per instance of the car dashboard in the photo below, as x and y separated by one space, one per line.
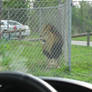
21 82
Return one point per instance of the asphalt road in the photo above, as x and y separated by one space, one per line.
81 43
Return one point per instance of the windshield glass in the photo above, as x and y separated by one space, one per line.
44 44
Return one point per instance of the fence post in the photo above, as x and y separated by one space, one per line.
0 8
0 17
69 31
20 34
88 38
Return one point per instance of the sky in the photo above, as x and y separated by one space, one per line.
81 0
77 3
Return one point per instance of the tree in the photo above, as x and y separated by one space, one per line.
16 10
15 3
76 20
46 3
87 16
82 17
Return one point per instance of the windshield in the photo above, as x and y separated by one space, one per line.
46 44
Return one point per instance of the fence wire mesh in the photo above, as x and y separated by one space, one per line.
34 36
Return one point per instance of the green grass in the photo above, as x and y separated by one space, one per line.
27 56
82 38
21 52
82 63
34 35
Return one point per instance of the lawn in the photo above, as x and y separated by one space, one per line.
27 56
82 63
82 38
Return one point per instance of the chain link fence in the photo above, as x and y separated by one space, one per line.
34 36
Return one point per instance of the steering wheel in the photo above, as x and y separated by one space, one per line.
20 82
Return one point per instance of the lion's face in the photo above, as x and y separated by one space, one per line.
46 32
47 38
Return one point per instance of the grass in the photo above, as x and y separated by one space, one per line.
21 51
27 56
82 38
82 63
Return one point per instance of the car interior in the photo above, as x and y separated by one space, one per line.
48 23
23 82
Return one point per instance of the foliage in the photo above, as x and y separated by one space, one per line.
76 23
45 3
15 3
82 17
15 10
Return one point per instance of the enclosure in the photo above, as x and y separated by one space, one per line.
25 53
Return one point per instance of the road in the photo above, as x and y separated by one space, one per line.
81 43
